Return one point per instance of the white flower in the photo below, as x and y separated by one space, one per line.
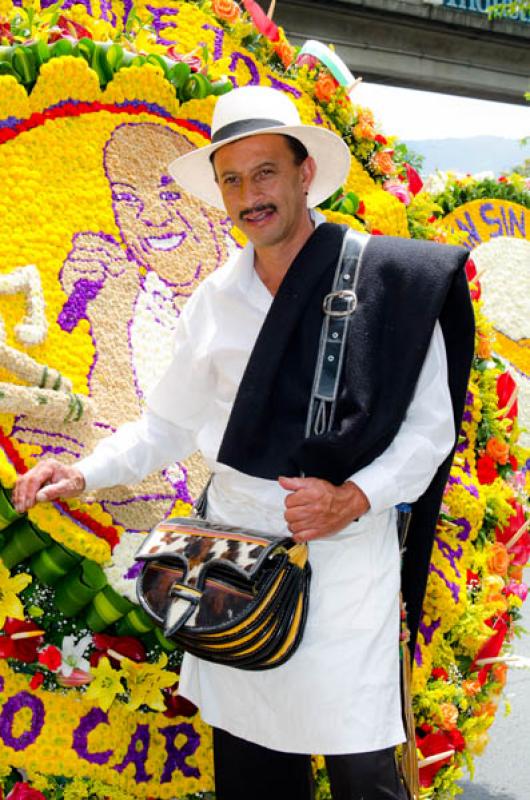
486 174
72 655
120 574
436 183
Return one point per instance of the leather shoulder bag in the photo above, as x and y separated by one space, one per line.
240 597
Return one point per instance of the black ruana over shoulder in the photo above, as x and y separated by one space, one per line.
404 287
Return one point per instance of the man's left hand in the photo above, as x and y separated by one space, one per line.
316 508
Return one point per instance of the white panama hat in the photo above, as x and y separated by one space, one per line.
254 110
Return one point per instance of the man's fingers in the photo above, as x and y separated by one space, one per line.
299 514
306 535
47 481
292 484
28 485
63 488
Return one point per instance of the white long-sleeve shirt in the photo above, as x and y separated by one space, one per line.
339 692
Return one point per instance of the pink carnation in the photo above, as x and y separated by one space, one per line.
518 589
398 190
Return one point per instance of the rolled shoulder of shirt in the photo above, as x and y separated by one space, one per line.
402 473
135 450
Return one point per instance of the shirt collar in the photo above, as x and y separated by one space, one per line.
244 262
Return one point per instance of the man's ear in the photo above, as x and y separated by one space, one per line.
308 171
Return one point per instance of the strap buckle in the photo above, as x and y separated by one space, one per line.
346 299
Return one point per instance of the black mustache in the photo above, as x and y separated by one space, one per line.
256 210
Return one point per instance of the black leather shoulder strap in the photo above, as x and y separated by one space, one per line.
338 307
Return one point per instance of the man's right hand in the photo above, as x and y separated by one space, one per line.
49 480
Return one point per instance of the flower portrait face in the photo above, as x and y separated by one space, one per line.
164 228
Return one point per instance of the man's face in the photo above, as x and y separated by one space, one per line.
263 190
163 227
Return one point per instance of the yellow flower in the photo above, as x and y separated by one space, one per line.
106 684
146 681
10 605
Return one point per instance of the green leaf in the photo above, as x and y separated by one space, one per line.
63 47
138 61
101 66
41 52
114 56
157 61
85 48
221 87
24 65
7 69
196 88
179 74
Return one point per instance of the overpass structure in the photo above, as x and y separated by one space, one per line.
449 46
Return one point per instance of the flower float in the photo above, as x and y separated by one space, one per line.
100 251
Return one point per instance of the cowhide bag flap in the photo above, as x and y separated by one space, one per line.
228 595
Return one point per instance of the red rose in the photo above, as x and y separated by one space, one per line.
457 740
361 210
426 728
36 681
512 461
23 791
486 469
439 673
381 139
51 658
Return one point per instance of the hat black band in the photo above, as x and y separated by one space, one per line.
243 126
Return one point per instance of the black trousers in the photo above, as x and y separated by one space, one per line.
247 771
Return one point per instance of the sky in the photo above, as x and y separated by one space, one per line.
411 114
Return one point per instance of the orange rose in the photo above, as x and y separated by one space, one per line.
498 672
471 688
488 709
325 87
483 347
226 9
382 162
448 716
364 129
285 52
516 572
498 450
498 560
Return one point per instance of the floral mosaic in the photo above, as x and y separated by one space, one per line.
100 250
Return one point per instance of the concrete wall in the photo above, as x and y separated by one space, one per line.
419 45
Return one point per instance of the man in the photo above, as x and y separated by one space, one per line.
339 692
